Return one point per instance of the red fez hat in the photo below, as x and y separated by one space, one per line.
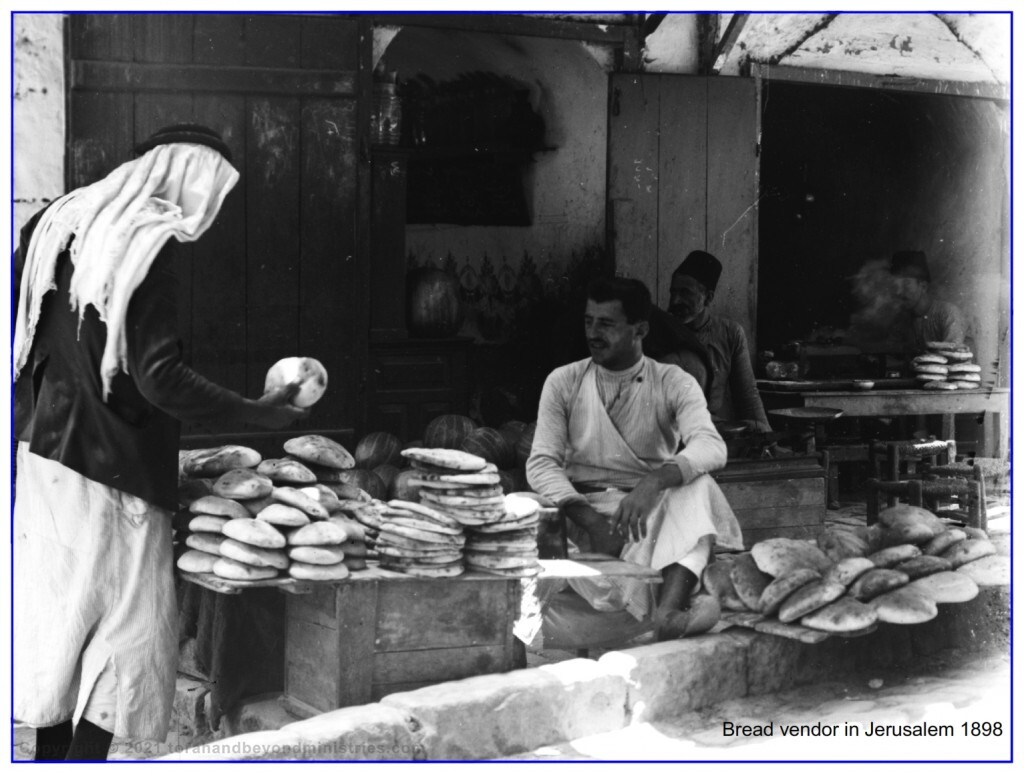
703 267
910 263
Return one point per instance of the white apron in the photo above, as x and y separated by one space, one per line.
680 517
93 585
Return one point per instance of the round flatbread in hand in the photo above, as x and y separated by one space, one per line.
308 373
320 451
197 561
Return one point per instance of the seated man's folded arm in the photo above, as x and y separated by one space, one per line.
545 468
703 448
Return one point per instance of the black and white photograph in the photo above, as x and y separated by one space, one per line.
519 385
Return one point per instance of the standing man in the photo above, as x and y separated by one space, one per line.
930 319
608 430
733 392
100 392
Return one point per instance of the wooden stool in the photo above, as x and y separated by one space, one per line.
909 453
924 493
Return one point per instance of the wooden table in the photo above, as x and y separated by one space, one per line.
889 403
353 641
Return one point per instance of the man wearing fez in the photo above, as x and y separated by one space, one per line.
733 393
930 319
100 392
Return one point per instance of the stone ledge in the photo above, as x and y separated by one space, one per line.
499 715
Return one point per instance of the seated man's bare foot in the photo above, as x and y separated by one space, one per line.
702 614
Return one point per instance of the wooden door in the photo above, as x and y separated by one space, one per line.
279 274
682 176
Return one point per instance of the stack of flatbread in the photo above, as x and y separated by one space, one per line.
417 539
507 547
464 486
947 366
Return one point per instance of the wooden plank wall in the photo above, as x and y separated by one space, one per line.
683 176
277 275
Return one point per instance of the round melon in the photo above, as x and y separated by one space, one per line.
512 430
366 480
525 443
447 431
378 448
402 489
387 473
490 444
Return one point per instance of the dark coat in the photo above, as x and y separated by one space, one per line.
130 441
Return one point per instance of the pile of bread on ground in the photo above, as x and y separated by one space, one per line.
245 518
895 571
947 366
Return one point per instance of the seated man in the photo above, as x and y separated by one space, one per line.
608 428
929 318
733 393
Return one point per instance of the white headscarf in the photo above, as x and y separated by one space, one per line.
119 224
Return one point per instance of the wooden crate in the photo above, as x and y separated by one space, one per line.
355 642
782 497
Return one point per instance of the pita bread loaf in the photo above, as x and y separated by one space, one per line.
328 498
904 606
888 557
988 571
256 505
931 368
938 544
307 372
320 451
296 498
282 515
945 346
962 385
254 556
843 615
255 533
718 581
968 551
809 598
909 524
454 570
212 505
930 358
965 368
205 541
947 587
846 571
776 592
316 554
197 561
232 570
937 385
242 484
318 533
877 581
204 523
453 459
780 556
920 566
285 471
219 460
318 572
748 581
